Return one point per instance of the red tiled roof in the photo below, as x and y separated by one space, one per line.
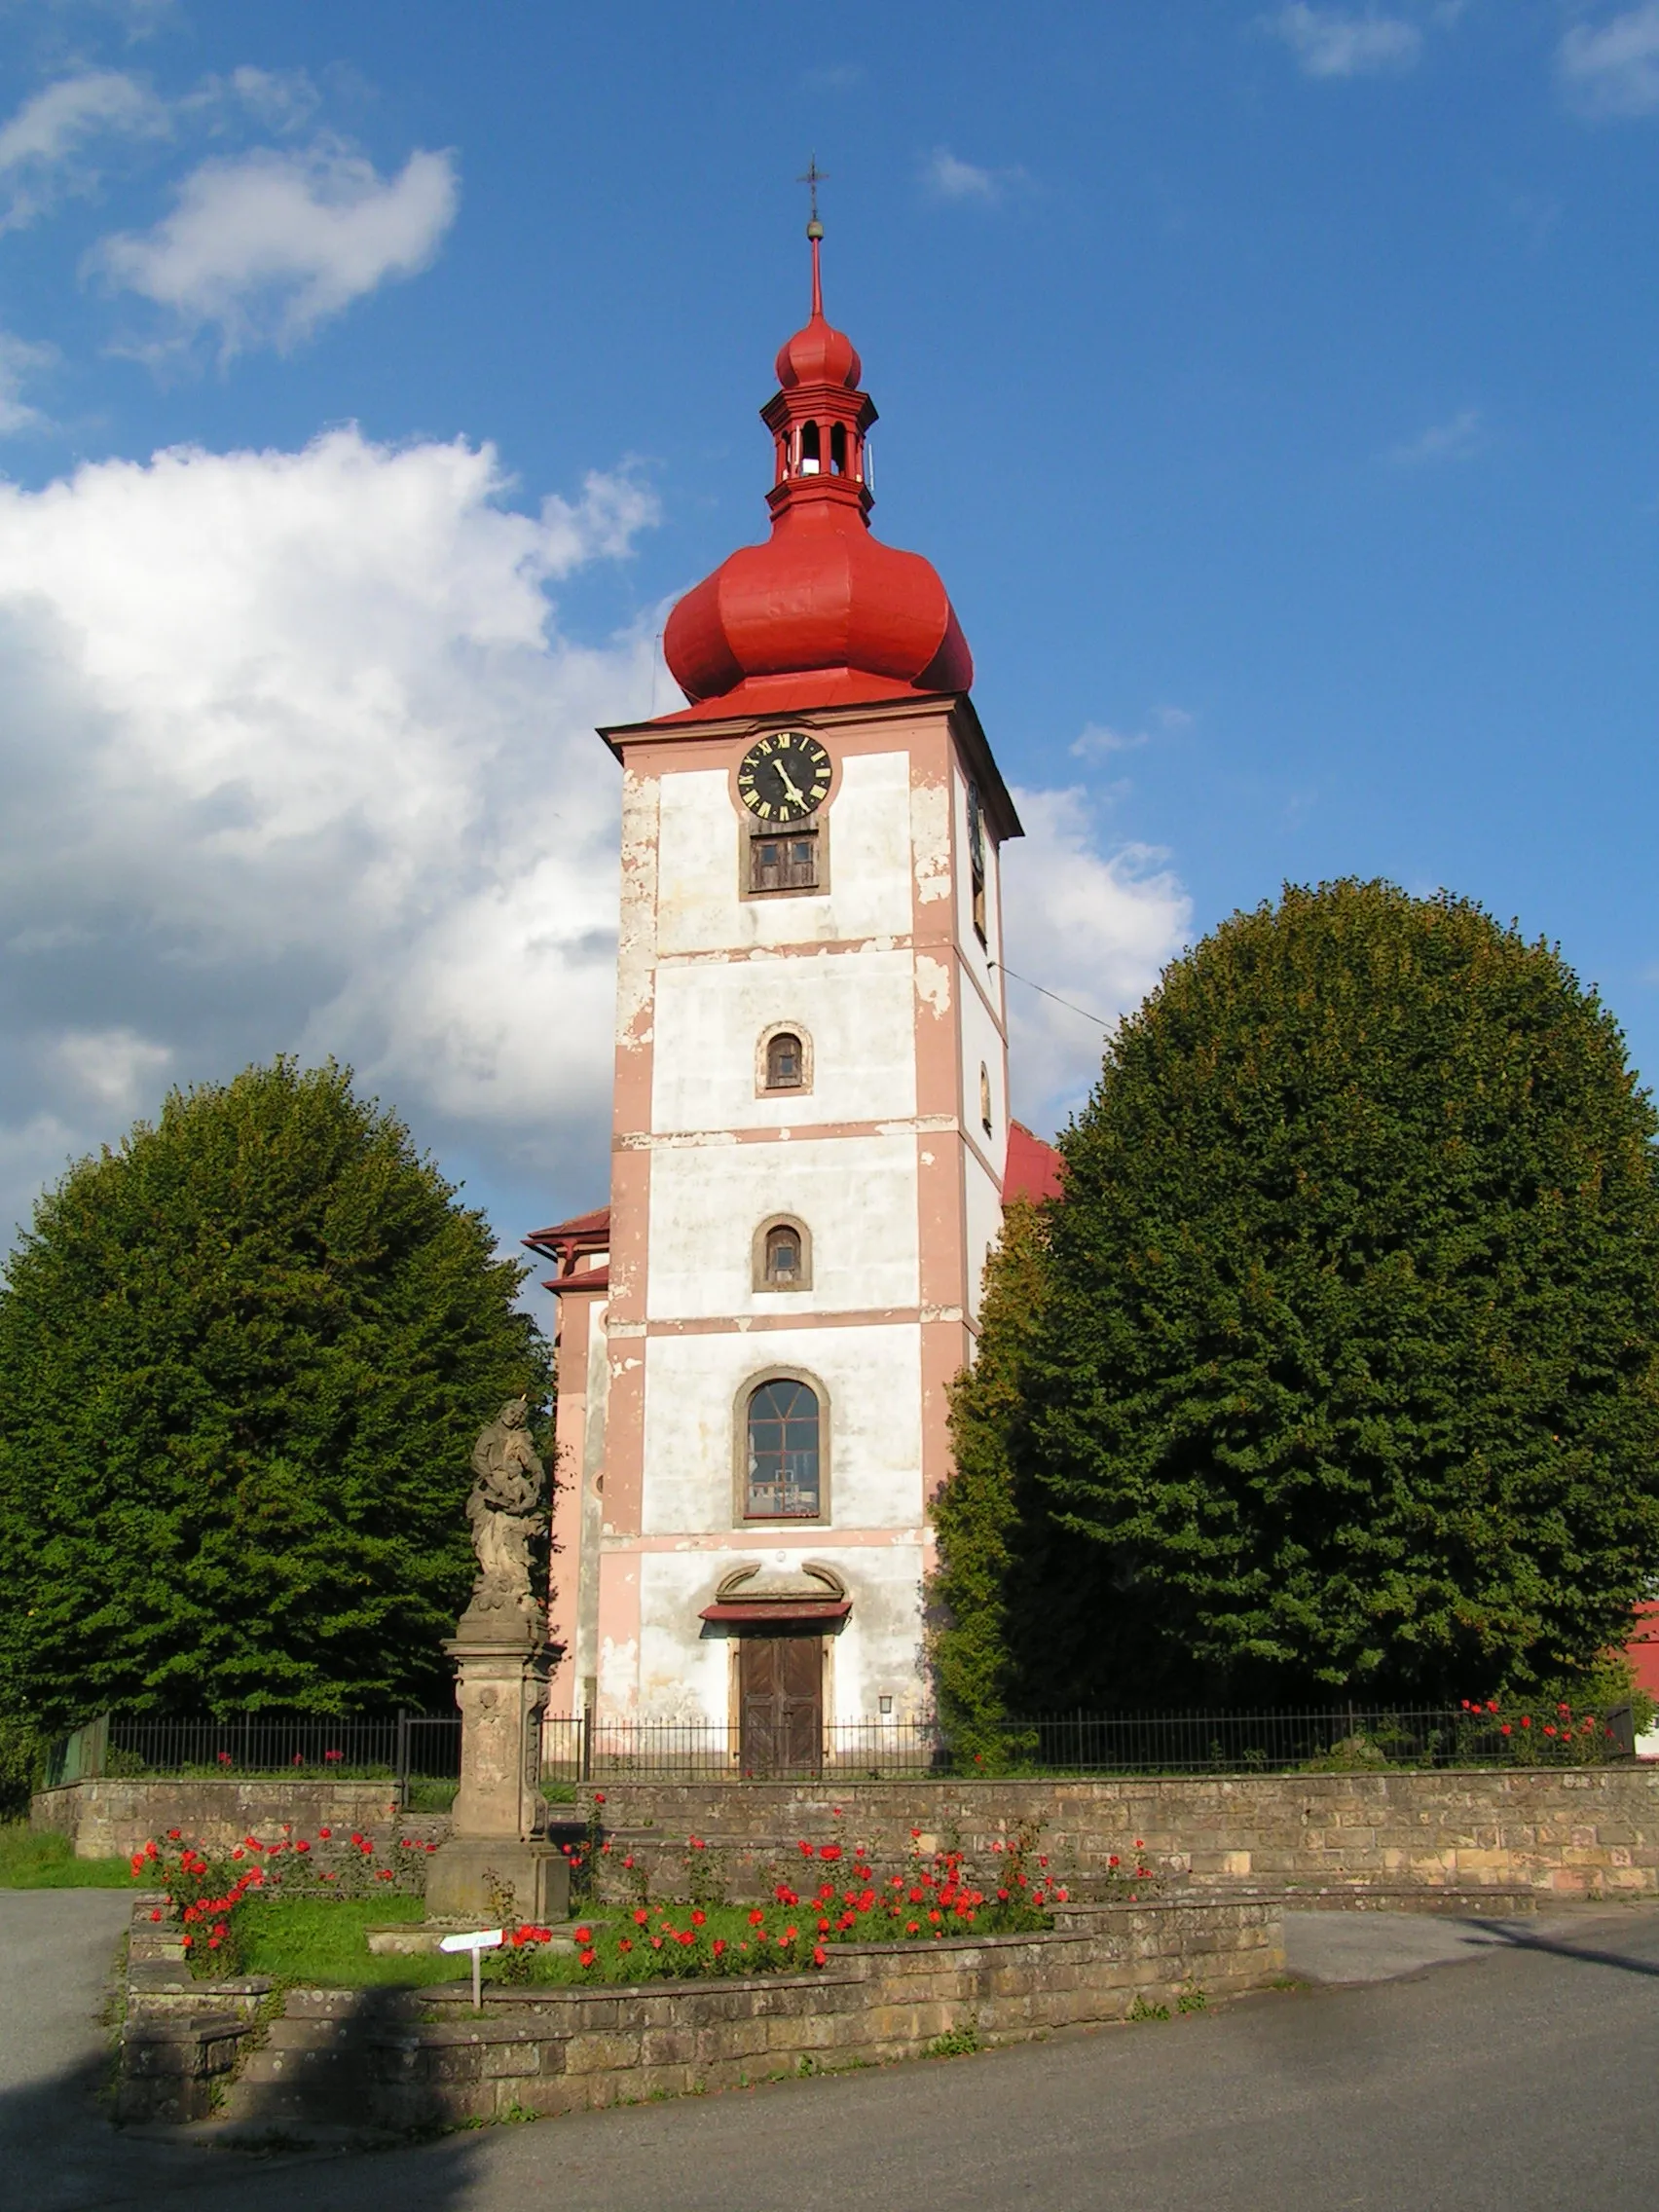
1033 1167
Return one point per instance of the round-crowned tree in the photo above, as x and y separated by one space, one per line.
243 1358
1337 1367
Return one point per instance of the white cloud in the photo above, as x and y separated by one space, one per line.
1099 740
43 146
1093 927
295 759
946 178
18 359
1613 68
264 247
113 1068
1454 440
1333 42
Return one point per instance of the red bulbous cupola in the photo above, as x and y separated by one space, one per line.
823 613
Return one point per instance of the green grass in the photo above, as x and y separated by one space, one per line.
322 1943
32 1861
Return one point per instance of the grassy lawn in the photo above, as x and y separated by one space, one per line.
30 1860
322 1943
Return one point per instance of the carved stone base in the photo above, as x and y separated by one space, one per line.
458 1881
502 1689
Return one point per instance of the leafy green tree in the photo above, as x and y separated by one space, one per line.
243 1358
1340 1370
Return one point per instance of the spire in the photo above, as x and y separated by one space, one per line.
812 176
822 612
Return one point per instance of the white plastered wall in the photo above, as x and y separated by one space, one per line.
697 1390
686 1670
857 1196
982 1228
856 1008
700 840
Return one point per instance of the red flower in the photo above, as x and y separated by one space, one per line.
584 1934
324 1834
599 1797
697 1843
819 1955
172 1835
584 1958
641 1916
719 1945
625 1942
806 1849
830 1851
756 1918
1526 1721
656 1942
1504 1730
912 1927
1548 1729
698 1916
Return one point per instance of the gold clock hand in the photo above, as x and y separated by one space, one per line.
789 787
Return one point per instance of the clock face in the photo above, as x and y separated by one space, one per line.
784 776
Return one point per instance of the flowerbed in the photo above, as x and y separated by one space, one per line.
833 1896
206 1895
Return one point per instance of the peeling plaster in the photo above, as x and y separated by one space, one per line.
933 984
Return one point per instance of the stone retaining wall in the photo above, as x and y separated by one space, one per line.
423 2058
1573 1830
111 1818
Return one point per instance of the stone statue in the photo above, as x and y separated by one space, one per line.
504 1510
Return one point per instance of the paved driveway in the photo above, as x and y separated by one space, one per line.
1503 2068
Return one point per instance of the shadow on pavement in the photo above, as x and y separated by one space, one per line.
1510 1936
60 2152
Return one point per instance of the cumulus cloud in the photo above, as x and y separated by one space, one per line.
44 147
1612 67
296 757
946 178
1457 439
1335 42
264 247
1091 926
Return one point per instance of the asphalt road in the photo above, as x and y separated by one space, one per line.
1500 2068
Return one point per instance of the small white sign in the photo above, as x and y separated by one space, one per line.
480 1940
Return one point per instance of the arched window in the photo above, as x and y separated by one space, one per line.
985 1121
784 1067
810 454
781 1460
782 1255
838 449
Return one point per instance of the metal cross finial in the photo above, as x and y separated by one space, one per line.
812 177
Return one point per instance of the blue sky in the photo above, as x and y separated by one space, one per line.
1275 387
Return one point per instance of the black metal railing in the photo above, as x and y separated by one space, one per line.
398 1747
412 1748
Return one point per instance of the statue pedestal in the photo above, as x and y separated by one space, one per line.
501 1664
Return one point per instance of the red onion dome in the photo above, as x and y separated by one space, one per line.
819 355
822 612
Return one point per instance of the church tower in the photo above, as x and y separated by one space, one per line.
810 1135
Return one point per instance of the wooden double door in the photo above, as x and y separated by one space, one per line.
780 1689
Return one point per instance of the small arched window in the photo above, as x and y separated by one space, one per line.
838 449
782 1255
784 1065
782 1458
811 452
985 1121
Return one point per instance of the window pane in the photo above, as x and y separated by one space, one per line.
783 1453
783 1062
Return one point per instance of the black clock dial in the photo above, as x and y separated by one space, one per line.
784 776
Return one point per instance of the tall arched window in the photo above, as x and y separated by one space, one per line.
783 1061
781 1460
811 455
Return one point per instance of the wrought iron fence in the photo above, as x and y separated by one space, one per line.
409 1748
1346 1736
398 1747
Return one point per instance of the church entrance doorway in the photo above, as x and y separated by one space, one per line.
779 1690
